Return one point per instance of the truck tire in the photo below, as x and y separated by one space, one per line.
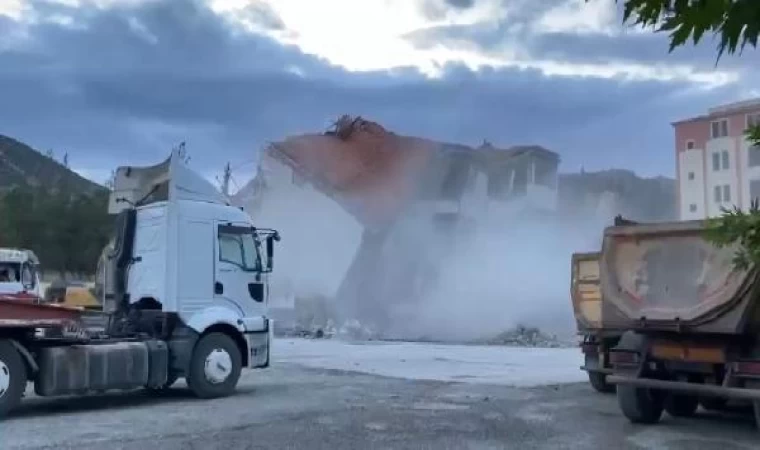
640 405
599 382
12 377
680 405
215 366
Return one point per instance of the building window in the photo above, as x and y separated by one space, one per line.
754 190
719 128
716 161
691 175
753 120
724 159
726 193
689 145
693 207
753 156
717 194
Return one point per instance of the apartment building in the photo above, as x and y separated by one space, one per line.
715 164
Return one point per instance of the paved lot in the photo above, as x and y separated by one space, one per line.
294 407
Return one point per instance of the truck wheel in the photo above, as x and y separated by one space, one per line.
679 405
12 377
640 405
599 382
214 367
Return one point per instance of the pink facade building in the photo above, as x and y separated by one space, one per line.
715 164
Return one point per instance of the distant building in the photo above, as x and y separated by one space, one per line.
716 166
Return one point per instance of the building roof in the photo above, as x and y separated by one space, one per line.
745 106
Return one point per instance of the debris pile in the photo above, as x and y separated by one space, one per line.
522 336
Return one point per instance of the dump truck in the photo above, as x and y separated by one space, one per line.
189 281
597 340
691 320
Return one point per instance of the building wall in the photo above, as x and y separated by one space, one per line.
691 176
704 186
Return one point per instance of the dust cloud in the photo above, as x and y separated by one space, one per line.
486 278
506 275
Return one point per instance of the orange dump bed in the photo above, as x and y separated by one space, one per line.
667 276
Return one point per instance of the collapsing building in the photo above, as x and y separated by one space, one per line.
416 200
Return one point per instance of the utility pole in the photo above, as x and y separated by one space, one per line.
226 180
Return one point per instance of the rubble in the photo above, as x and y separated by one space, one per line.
523 336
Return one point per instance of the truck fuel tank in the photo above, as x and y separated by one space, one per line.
78 369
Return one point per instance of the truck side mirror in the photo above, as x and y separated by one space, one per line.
270 251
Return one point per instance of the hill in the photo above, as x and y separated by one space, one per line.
50 209
23 166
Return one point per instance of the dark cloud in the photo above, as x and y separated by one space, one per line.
461 4
124 85
263 14
518 30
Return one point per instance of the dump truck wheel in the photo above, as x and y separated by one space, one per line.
713 404
12 377
679 405
640 405
215 366
599 382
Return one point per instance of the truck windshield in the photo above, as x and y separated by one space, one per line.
238 246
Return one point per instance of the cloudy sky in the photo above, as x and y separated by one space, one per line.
116 82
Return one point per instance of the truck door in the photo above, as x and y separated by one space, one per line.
238 278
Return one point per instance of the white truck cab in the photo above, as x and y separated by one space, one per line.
186 274
19 274
185 257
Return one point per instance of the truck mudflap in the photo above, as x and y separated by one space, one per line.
259 345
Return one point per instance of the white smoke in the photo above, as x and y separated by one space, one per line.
503 274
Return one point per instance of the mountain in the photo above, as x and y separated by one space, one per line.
618 191
23 166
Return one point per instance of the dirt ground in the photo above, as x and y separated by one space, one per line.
291 406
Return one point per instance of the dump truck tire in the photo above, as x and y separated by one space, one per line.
12 377
640 405
599 382
215 366
680 405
